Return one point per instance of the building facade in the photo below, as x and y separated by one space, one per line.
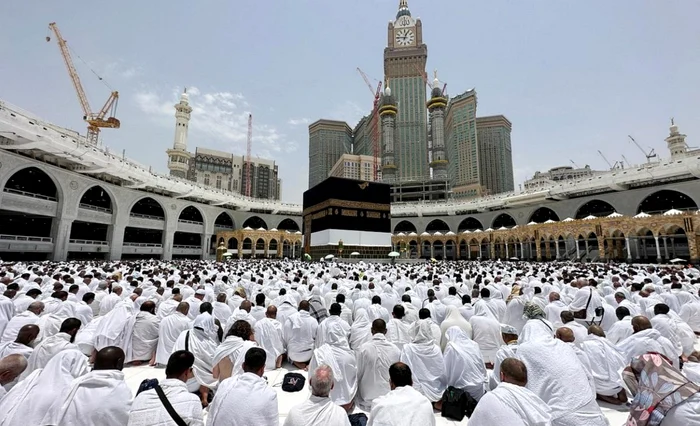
557 174
495 154
358 167
405 58
461 141
328 141
218 169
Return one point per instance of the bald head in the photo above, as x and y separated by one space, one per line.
177 297
149 306
321 381
36 307
640 323
271 312
11 367
513 371
565 334
596 330
109 358
221 298
246 305
553 296
183 308
27 334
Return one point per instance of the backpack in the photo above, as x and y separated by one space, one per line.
457 403
358 419
293 382
147 384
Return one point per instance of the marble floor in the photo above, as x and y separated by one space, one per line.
134 376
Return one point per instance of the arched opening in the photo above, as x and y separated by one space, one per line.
297 249
191 214
425 251
247 244
287 225
437 225
224 221
232 243
286 249
439 250
413 249
148 208
597 208
32 182
464 252
254 222
664 200
675 244
187 240
142 237
503 220
260 248
96 198
543 214
405 226
470 224
272 248
88 233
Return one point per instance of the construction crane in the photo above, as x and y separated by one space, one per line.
575 165
249 164
649 155
95 121
374 120
612 166
424 76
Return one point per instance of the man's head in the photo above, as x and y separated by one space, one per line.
221 298
33 293
596 330
254 361
206 307
241 329
376 300
304 306
661 309
36 307
149 306
398 312
640 323
622 312
400 375
27 334
378 326
183 308
566 316
271 312
553 296
11 367
180 366
109 358
70 326
335 309
321 381
260 300
509 333
513 371
424 313
565 334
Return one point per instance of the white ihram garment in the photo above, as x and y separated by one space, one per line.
255 403
269 335
17 322
44 351
336 353
324 327
98 397
464 365
403 406
373 361
11 348
426 362
361 330
398 333
317 411
649 340
28 401
111 330
169 330
505 351
7 311
148 410
234 348
621 330
453 318
201 341
486 332
606 363
143 339
511 405
299 335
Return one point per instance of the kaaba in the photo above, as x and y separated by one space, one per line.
343 216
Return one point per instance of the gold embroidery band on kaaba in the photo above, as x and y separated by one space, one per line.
333 202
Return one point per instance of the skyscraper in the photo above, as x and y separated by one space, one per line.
328 141
462 146
404 68
495 154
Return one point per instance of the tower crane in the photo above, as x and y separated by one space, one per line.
95 121
248 163
649 155
429 85
612 166
374 120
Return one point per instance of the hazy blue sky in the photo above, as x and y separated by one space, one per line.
573 76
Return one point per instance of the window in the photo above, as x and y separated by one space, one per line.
206 179
218 182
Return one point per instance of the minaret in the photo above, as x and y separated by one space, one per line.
387 114
436 107
178 157
676 142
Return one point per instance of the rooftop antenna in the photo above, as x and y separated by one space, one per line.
649 155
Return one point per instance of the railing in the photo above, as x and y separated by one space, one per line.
216 226
193 222
146 216
95 208
89 242
29 194
26 238
187 247
143 245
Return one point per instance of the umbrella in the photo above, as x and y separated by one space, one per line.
307 256
513 258
227 254
329 257
355 253
677 260
394 254
432 259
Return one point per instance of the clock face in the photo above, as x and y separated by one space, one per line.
405 37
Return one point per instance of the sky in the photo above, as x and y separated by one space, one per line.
573 77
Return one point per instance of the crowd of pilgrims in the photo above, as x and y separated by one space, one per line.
528 343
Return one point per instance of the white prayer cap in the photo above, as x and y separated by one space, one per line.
509 329
200 292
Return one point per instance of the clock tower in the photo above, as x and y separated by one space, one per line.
405 58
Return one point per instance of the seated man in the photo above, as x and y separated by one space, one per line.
606 362
373 361
511 403
646 339
147 408
271 338
50 346
229 356
318 410
425 359
403 405
246 399
464 366
23 342
299 334
336 353
11 367
98 397
169 330
143 340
